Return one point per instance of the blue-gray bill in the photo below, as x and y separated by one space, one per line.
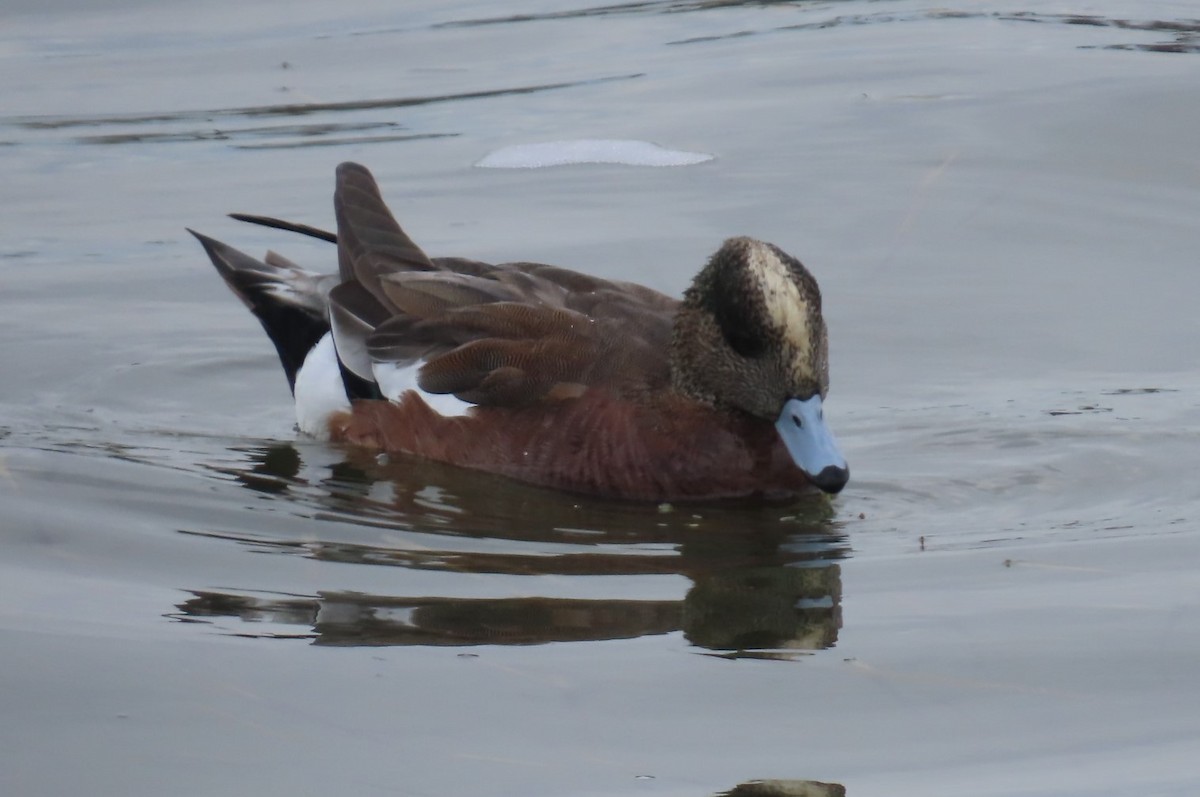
802 426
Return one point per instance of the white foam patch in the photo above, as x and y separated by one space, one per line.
394 380
589 150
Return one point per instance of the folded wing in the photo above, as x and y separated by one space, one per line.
498 335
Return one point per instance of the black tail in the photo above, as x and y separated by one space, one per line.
292 304
289 226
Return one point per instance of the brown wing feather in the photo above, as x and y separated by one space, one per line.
498 372
427 294
499 335
517 320
370 241
509 353
560 360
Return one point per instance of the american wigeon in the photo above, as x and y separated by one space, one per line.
547 375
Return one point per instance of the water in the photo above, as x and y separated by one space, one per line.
1000 203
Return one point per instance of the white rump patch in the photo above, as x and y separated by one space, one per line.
319 389
589 150
394 380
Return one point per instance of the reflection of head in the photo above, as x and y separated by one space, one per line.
765 608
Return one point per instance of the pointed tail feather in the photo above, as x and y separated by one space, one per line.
289 226
292 304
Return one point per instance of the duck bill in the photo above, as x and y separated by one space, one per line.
808 439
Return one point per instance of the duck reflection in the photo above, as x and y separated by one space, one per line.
764 579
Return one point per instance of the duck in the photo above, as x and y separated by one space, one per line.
546 375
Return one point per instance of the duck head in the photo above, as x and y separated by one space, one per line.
750 336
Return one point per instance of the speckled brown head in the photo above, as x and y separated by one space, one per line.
750 333
750 337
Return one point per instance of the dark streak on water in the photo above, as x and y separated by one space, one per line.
304 131
1186 32
335 142
249 132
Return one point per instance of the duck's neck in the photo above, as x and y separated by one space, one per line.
695 338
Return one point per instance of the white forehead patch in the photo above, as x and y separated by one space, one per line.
786 305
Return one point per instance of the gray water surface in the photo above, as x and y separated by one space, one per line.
1000 201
